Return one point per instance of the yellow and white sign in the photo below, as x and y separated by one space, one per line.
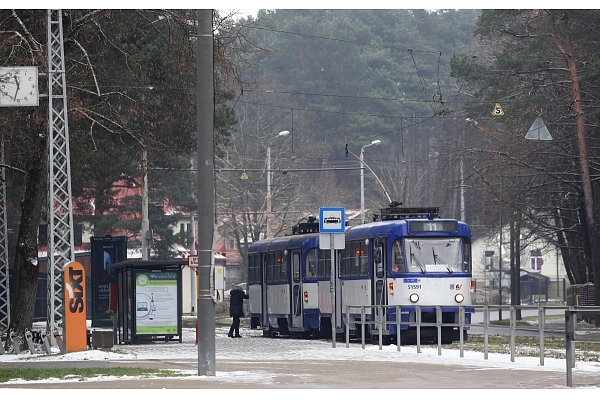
498 111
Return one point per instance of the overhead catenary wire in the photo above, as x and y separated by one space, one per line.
256 26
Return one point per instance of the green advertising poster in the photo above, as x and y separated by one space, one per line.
156 303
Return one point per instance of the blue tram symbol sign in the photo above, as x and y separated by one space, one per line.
332 220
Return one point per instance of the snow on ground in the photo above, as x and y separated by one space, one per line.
254 347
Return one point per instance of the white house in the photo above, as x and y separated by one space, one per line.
541 266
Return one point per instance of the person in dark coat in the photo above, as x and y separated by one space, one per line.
236 310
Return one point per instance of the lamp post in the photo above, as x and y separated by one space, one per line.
362 180
282 133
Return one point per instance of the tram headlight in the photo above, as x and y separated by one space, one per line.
391 287
459 298
413 297
306 297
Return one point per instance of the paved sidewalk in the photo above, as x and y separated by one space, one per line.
314 375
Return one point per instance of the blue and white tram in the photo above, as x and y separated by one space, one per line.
410 258
283 283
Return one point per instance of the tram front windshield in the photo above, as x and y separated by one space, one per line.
431 255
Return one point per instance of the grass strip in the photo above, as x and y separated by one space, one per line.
80 374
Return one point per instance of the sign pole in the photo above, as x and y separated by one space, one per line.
332 227
332 289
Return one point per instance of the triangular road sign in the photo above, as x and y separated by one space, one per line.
244 176
498 111
538 131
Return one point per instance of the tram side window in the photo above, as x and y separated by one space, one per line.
378 246
467 255
284 267
364 260
311 264
257 268
398 256
277 266
321 267
324 263
296 266
270 262
251 269
347 260
359 252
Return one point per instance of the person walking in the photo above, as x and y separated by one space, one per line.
236 310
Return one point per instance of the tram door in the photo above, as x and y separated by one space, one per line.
264 305
378 287
296 291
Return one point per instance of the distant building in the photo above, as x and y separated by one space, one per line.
543 274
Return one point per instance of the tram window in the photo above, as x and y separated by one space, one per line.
324 263
378 257
270 262
277 267
251 269
257 268
284 268
296 267
347 260
311 264
321 268
364 260
358 253
398 255
467 255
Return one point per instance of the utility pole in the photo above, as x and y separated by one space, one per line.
145 221
269 175
205 143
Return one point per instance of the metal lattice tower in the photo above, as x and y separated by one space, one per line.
60 210
4 282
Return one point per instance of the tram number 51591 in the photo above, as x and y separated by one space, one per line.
413 287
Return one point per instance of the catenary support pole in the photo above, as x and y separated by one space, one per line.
205 96
60 206
4 276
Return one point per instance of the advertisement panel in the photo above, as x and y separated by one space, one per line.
75 329
156 303
105 251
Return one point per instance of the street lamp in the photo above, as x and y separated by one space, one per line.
362 180
282 133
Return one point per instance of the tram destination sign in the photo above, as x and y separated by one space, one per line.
433 226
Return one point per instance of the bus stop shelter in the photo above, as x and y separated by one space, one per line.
149 301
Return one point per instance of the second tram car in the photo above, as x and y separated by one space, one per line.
408 258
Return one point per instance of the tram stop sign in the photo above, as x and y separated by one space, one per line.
332 225
332 220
